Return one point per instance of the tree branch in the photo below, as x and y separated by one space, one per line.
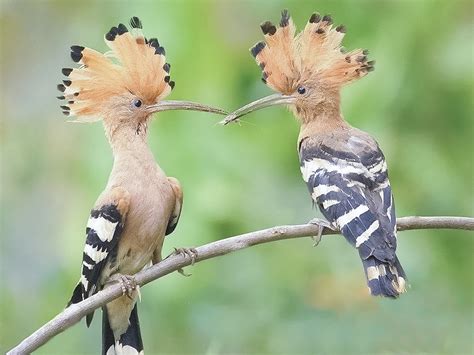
74 313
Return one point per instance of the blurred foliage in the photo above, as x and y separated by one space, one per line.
283 297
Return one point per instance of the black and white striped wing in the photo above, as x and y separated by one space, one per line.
103 231
353 192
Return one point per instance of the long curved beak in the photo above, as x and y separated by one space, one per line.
167 105
275 99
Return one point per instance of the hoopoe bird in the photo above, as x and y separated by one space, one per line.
140 204
344 168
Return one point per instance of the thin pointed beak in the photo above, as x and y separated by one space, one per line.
168 105
275 99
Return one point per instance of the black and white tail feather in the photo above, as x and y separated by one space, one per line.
353 192
130 342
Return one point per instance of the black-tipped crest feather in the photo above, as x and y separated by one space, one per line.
135 22
128 68
313 54
285 18
268 28
255 50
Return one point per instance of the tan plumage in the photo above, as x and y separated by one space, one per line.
140 204
343 167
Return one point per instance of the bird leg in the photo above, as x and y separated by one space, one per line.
128 285
321 223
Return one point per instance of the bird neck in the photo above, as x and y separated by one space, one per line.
324 117
128 142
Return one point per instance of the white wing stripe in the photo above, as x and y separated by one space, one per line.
379 167
89 266
352 214
323 190
105 229
84 281
367 233
329 203
342 167
373 272
94 253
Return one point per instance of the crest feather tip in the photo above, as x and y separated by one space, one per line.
121 29
268 28
327 18
76 53
66 71
135 22
315 18
153 42
255 50
113 32
285 18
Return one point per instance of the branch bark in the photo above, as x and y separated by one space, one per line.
74 313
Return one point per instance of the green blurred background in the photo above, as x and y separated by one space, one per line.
284 297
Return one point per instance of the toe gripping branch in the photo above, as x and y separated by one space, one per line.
321 224
185 253
128 284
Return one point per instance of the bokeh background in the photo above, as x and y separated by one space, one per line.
280 298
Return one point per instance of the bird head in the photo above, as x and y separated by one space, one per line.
125 85
305 69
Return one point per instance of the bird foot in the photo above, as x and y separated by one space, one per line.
184 273
128 284
321 224
190 252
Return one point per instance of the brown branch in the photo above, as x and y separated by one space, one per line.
75 312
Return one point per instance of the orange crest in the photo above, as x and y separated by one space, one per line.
135 65
314 54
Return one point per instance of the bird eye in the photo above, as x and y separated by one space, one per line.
301 90
137 103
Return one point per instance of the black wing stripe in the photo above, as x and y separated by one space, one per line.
109 212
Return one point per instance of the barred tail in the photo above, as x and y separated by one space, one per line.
129 342
384 279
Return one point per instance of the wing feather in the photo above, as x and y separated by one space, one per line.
353 192
103 232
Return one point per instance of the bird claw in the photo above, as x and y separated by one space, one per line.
128 285
191 252
182 272
321 224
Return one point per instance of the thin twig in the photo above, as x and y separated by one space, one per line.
74 313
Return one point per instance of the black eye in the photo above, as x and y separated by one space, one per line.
301 90
137 103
